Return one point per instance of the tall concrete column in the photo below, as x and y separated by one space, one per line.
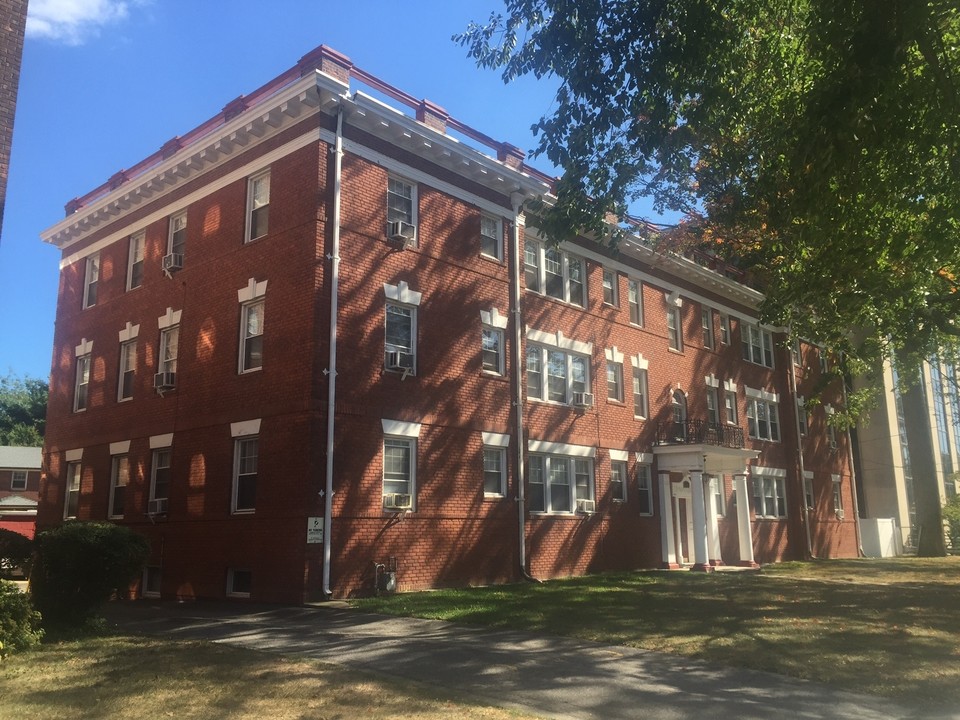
700 561
744 528
713 529
668 543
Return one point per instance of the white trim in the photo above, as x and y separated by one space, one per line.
402 293
768 472
640 362
712 381
673 298
613 355
828 409
252 291
244 428
761 394
619 455
158 442
808 474
547 447
493 439
399 428
75 455
130 332
644 458
84 348
801 402
834 477
493 318
169 319
729 386
558 340
120 448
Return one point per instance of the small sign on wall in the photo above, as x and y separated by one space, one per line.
314 530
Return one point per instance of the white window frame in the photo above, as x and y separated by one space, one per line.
118 479
769 488
809 498
401 309
91 280
803 420
81 390
635 297
611 287
706 323
394 214
500 453
410 443
641 387
724 329
713 405
73 485
249 338
618 478
795 353
837 487
18 480
492 332
232 583
674 328
155 466
151 573
719 496
127 366
169 350
253 209
756 344
763 415
571 385
490 224
177 233
645 487
573 465
730 407
135 259
615 374
536 250
240 443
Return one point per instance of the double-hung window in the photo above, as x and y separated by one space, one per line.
802 419
557 482
494 471
640 394
128 369
554 375
615 380
258 206
757 344
82 385
119 479
611 291
554 273
72 500
169 343
837 495
636 302
251 336
245 454
706 322
401 333
618 480
492 347
135 260
674 328
762 419
724 329
808 497
769 499
177 240
730 406
18 480
401 201
160 474
491 237
719 495
646 489
91 280
399 466
713 406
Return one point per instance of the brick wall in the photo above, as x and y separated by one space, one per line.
13 19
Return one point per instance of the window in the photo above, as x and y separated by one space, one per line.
251 336
119 479
716 487
160 474
555 273
713 409
674 328
822 356
640 393
169 340
151 581
730 406
808 490
757 345
73 491
802 416
258 206
239 583
831 435
706 321
491 237
245 452
401 200
135 261
636 302
618 480
178 233
768 497
557 482
492 350
762 421
399 455
611 295
128 369
724 329
91 280
565 374
795 353
401 333
494 471
646 489
18 480
615 381
837 495
80 395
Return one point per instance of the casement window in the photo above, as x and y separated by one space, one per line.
491 237
724 329
674 328
160 474
494 471
646 489
401 338
730 406
245 453
135 261
119 479
808 497
150 585
82 385
91 280
757 344
18 480
554 375
618 480
169 343
713 406
615 380
258 206
399 465
72 499
640 394
251 336
802 419
837 495
706 322
611 293
128 370
492 347
635 288
557 482
177 238
239 582
401 201
769 500
762 419
554 273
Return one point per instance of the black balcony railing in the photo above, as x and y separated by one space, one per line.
699 432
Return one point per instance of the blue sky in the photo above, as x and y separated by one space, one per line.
104 83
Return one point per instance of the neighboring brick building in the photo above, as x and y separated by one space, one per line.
13 23
195 368
19 488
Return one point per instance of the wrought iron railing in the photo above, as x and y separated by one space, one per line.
699 432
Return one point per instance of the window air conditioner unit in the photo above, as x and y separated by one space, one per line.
164 380
583 399
402 232
157 507
398 360
587 507
171 262
397 501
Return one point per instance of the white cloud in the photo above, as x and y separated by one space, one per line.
74 21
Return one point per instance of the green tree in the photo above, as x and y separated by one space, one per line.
23 410
813 142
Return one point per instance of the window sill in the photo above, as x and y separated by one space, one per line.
675 351
565 515
614 401
249 371
155 595
493 375
243 512
126 399
491 258
238 595
493 496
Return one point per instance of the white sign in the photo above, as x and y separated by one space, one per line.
314 530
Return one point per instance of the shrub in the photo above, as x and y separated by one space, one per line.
79 565
19 622
951 515
15 552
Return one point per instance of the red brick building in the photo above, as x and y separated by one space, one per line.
19 488
311 343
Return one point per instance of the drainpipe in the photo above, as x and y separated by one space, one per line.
803 479
516 199
334 258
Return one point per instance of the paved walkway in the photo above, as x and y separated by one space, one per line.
547 676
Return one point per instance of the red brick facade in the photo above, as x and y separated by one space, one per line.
13 22
455 534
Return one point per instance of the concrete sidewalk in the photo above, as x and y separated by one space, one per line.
548 676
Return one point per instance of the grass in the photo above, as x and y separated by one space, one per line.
886 627
113 678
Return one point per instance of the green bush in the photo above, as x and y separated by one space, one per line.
79 565
951 515
19 622
15 552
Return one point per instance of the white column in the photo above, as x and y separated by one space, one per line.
743 519
699 522
713 529
679 531
667 538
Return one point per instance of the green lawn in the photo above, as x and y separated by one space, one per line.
887 627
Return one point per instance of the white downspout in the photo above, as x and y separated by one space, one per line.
332 364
